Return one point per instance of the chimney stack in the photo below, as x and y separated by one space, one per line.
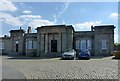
20 28
29 29
92 28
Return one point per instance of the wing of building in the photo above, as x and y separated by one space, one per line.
55 39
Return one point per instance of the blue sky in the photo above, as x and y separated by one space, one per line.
79 14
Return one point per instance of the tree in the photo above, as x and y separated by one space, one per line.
117 46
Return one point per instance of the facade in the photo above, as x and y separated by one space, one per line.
54 40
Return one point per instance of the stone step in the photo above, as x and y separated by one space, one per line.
52 54
15 54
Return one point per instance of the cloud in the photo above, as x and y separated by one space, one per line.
55 18
85 25
27 12
114 15
1 35
11 20
6 5
116 38
30 16
40 22
65 7
35 20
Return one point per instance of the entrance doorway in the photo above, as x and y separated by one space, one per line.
53 45
16 47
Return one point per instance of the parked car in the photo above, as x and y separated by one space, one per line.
69 54
84 54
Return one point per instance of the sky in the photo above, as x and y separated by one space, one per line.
81 15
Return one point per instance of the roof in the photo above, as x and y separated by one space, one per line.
5 37
83 31
104 26
66 26
20 30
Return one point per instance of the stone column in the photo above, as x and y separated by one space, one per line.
38 44
59 42
64 42
46 43
42 43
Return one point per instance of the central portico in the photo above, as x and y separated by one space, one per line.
55 38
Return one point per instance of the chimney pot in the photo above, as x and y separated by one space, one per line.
29 29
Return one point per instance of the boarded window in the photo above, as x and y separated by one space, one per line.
103 44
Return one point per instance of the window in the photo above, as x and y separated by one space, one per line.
34 44
29 44
103 44
16 42
88 44
77 44
83 44
1 45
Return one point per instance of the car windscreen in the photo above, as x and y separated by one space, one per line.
84 51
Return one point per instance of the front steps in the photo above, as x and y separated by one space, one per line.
51 54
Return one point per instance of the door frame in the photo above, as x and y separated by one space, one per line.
54 42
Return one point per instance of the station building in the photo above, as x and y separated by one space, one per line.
53 40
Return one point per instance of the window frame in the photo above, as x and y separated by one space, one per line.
104 44
29 44
83 44
77 44
34 44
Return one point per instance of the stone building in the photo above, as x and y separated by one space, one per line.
55 39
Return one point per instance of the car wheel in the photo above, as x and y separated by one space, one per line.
88 58
62 58
72 58
79 58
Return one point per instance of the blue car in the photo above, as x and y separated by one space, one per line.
84 54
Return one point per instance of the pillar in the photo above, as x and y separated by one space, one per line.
46 43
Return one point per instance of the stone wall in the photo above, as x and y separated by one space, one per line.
33 38
84 35
6 45
104 33
66 39
61 33
17 37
